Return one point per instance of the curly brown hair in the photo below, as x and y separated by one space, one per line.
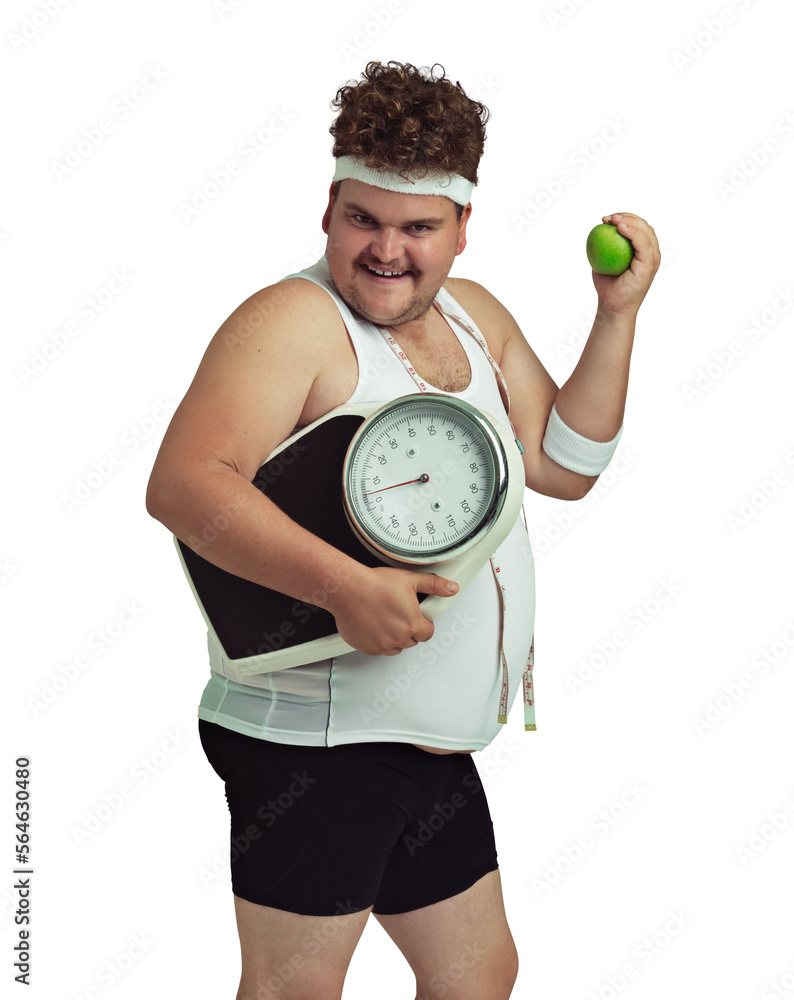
409 119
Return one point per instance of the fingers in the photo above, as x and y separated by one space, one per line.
429 583
413 641
387 618
422 632
641 235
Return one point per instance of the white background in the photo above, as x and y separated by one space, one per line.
695 508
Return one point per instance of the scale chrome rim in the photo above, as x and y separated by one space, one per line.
404 553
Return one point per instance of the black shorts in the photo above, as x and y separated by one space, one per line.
331 830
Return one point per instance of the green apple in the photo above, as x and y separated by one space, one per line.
608 251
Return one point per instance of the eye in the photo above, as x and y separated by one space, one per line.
363 220
420 227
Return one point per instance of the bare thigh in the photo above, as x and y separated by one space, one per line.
291 956
460 948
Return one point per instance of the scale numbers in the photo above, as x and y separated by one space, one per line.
423 476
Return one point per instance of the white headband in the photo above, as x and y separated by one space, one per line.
436 182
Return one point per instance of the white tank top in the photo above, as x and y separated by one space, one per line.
453 691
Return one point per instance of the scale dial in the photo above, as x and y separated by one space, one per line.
424 478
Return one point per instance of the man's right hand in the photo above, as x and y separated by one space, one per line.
380 615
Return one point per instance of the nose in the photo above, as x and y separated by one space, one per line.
387 245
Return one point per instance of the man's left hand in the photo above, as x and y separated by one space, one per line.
623 294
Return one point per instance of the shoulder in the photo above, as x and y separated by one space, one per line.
291 312
494 320
257 373
283 335
292 337
293 296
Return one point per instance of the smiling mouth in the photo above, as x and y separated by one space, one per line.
384 273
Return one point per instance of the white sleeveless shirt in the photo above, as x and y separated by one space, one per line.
453 691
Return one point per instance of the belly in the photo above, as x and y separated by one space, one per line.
439 750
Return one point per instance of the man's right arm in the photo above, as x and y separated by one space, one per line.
245 399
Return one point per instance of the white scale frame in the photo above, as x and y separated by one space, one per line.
459 560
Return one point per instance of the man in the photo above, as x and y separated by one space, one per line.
341 807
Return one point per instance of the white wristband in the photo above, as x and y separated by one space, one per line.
574 452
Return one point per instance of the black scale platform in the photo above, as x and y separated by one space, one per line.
250 619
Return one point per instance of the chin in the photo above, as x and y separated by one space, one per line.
416 306
413 311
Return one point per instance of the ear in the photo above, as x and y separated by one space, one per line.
327 216
464 218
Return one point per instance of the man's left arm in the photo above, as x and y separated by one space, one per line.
592 400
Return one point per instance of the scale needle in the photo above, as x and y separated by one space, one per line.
424 478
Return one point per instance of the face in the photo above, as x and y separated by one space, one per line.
413 238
